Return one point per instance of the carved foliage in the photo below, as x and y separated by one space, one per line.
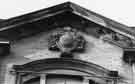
108 35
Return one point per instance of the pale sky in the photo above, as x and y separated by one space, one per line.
122 11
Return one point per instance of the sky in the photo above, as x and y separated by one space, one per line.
122 11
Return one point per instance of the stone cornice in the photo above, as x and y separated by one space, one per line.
45 19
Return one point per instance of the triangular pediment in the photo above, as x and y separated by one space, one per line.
65 14
30 36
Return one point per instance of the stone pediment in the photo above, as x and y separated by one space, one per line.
73 67
30 32
62 64
67 14
88 23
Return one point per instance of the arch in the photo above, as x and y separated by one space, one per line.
61 63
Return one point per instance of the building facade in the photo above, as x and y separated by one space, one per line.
66 44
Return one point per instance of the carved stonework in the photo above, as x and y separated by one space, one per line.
123 41
67 40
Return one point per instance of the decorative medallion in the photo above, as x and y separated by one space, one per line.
66 40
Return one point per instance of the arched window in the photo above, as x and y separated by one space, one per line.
60 71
